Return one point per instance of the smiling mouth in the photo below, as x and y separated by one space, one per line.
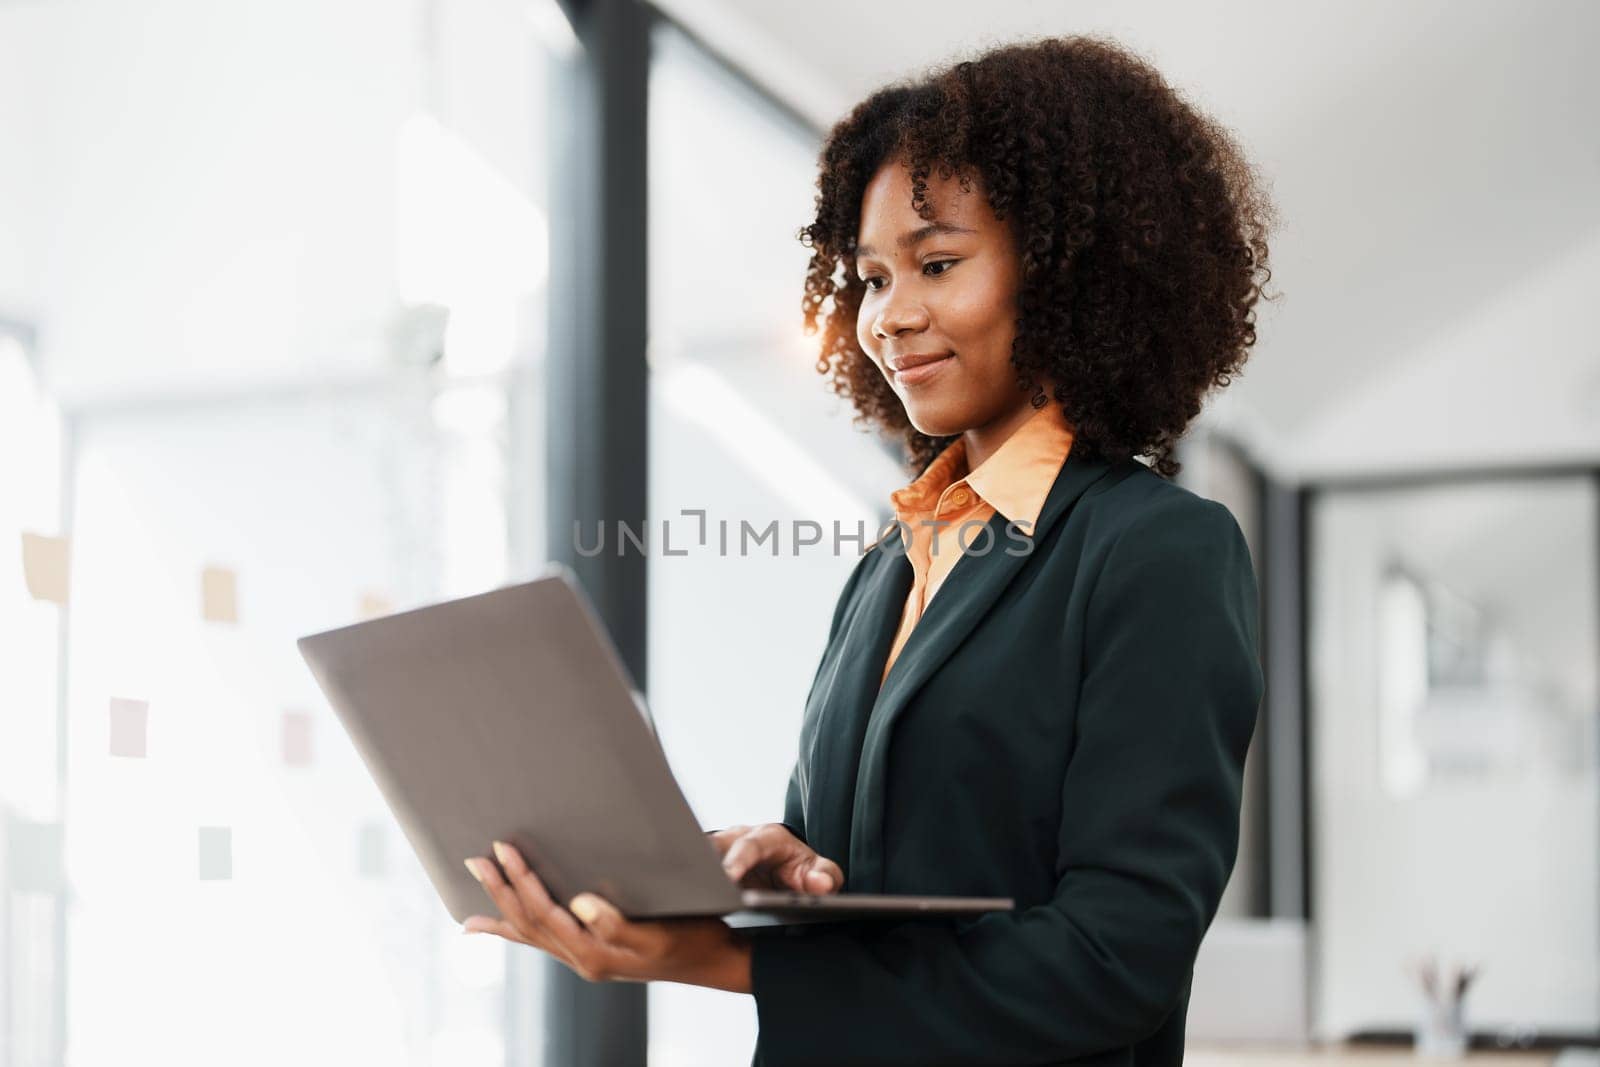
921 372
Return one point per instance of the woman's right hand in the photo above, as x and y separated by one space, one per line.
770 857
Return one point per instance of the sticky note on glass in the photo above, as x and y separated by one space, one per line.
219 595
296 738
374 605
130 721
370 862
216 853
33 856
45 566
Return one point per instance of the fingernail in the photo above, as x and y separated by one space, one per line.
584 908
501 851
472 868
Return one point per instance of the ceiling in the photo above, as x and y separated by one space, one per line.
1429 160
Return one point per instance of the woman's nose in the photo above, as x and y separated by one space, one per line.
900 319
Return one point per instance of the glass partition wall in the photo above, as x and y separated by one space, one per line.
288 374
225 844
34 582
1455 800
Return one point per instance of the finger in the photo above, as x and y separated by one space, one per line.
807 872
520 911
820 875
722 839
596 957
483 924
552 917
769 847
749 851
833 872
504 896
735 860
610 926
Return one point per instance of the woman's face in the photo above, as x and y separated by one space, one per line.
939 312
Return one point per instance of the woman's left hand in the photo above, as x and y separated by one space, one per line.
605 946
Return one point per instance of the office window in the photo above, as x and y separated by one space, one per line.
743 429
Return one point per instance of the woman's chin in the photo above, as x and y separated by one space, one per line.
934 421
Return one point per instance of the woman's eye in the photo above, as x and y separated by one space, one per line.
926 269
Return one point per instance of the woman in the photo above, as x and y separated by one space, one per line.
1042 682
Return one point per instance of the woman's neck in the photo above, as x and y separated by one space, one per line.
983 441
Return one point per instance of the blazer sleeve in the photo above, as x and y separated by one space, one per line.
1148 836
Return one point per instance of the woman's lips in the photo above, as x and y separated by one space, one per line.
922 371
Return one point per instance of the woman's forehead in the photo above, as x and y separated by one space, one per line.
889 221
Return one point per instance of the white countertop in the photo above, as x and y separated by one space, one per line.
1360 1056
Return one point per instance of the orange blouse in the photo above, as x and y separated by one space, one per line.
933 509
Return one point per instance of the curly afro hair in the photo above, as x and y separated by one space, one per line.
1140 225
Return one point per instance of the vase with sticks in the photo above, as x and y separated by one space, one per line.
1442 1028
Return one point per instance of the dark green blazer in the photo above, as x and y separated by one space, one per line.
1067 726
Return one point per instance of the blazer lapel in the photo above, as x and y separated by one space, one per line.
846 694
971 588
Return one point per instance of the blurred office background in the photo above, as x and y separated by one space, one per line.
311 311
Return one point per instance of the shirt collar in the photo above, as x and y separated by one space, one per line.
1014 480
922 495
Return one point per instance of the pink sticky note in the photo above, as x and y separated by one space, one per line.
296 738
130 720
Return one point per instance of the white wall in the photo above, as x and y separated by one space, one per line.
22 118
1514 379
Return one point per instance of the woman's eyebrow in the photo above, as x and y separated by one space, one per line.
911 237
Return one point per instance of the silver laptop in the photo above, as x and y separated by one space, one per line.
509 716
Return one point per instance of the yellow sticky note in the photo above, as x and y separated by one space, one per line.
375 604
219 595
45 565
